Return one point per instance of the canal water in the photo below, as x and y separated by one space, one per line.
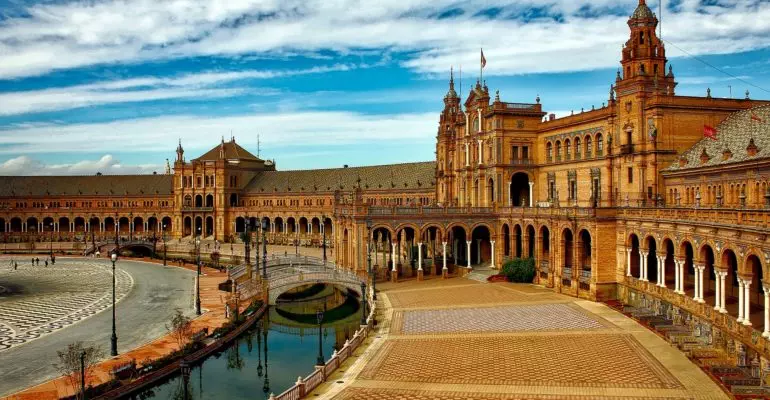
269 356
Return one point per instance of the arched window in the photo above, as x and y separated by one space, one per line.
549 151
567 149
188 201
476 125
577 148
558 151
589 147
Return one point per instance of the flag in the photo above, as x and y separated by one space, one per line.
756 118
710 132
483 60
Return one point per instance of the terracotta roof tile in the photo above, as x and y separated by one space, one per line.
15 186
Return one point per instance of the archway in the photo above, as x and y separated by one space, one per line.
254 224
198 201
530 241
732 288
481 247
109 224
93 224
233 200
315 225
303 227
490 192
687 252
756 292
709 276
670 278
458 238
345 248
64 224
291 225
518 237
166 224
567 256
506 241
328 226
15 224
519 190
138 224
432 237
634 256
545 252
123 225
406 249
209 226
209 200
152 224
586 259
278 221
382 249
48 224
240 225
187 231
32 224
80 224
652 259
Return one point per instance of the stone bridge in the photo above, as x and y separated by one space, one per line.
288 272
109 246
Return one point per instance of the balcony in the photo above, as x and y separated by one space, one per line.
521 161
627 149
197 209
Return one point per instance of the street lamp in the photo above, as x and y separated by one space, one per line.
50 248
198 277
114 338
323 244
265 225
185 369
320 316
372 272
83 373
247 242
363 303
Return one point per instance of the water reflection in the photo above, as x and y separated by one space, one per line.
267 358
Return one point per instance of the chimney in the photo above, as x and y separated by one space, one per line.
726 154
752 149
704 157
345 166
552 117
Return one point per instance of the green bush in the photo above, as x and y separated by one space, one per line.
520 270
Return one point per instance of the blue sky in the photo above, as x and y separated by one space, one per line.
112 85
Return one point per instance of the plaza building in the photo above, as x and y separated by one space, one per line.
626 201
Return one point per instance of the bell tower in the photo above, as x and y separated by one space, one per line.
644 61
450 121
180 153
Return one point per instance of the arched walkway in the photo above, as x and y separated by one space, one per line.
519 248
506 241
240 225
209 226
586 260
567 252
756 291
667 249
519 190
198 226
651 258
687 253
209 200
481 247
732 286
530 241
187 227
545 253
166 224
634 257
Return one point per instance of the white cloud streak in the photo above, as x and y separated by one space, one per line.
77 34
161 133
107 164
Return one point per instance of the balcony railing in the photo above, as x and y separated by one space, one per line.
626 149
197 209
521 161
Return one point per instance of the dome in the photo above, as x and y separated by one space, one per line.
642 11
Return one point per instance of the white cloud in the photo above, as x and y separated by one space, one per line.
107 164
201 133
74 34
198 86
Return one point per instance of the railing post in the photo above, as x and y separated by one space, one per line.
301 387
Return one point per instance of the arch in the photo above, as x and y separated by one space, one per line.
198 228
64 224
549 151
687 254
254 224
166 224
233 200
519 246
519 190
490 192
585 259
506 240
209 200
48 224
93 224
188 229
753 266
530 241
578 147
481 246
730 264
109 224
635 257
187 201
138 224
209 230
123 225
567 252
152 224
667 248
303 228
328 225
345 248
32 225
79 224
567 149
240 225
652 258
15 224
588 142
291 225
315 225
265 221
198 201
2 225
599 145
558 150
278 223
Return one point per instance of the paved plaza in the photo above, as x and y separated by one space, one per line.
42 309
456 339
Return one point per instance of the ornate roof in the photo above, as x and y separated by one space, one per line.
643 11
228 151
736 135
419 175
110 185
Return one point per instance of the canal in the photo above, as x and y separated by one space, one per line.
269 356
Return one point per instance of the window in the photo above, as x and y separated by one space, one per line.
589 147
599 145
567 149
630 175
577 148
525 152
558 151
549 151
641 37
655 69
515 153
641 69
476 125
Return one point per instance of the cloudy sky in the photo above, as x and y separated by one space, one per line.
112 85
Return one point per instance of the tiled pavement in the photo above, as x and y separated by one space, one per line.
454 340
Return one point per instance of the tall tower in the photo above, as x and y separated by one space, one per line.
644 57
450 123
180 152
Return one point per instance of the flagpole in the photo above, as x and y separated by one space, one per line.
481 68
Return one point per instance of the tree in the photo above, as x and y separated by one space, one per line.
180 328
69 364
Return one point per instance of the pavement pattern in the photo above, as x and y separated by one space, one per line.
40 300
454 339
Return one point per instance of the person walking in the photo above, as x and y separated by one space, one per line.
46 263
33 260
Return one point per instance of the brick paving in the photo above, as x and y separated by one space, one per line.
538 317
457 340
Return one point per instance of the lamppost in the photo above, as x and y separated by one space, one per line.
320 316
372 272
83 373
323 244
247 242
130 227
114 338
163 233
93 240
265 225
198 277
185 368
363 303
50 248
266 384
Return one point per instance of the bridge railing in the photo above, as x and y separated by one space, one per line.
304 386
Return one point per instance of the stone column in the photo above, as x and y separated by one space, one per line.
676 276
443 246
531 197
643 265
766 332
492 242
747 302
480 127
700 285
662 271
723 301
696 291
467 154
393 257
628 262
468 247
740 300
717 296
478 251
419 261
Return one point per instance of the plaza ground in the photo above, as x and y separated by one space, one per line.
462 339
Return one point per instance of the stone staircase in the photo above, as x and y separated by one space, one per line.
482 272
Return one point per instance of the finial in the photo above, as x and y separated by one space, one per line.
497 96
612 93
708 93
747 94
537 99
670 70
617 76
451 74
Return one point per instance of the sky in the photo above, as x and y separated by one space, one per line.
112 86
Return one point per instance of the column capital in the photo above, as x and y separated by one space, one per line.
644 253
628 250
492 241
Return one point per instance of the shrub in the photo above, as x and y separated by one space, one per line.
520 270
